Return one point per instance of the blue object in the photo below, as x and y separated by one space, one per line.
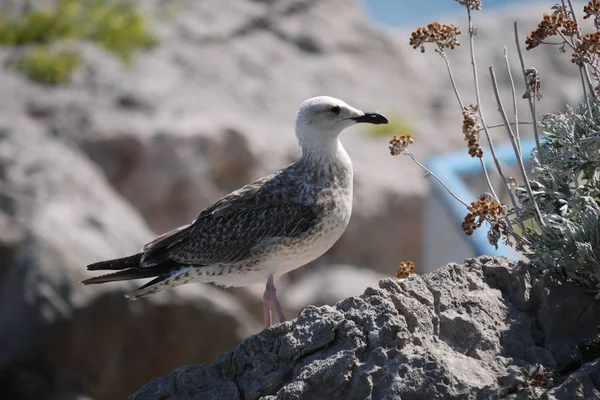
451 169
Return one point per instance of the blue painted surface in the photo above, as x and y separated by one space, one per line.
450 169
395 13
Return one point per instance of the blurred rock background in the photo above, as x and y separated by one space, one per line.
137 140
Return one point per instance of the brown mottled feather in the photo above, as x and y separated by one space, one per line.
281 205
228 231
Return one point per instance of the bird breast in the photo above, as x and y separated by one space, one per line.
336 208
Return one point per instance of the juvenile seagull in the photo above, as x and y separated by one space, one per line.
268 227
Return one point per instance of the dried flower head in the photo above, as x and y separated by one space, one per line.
471 130
488 210
587 49
551 25
593 10
405 269
533 84
536 376
445 36
399 144
470 4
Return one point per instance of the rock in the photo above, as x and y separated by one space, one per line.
167 178
59 338
582 383
459 332
67 216
113 345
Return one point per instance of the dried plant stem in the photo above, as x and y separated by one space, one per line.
531 101
445 57
429 173
510 194
585 94
512 123
513 140
584 70
480 112
488 181
514 98
565 40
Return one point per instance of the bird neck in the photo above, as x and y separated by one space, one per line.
324 151
319 146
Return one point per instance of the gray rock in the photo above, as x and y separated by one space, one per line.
58 338
462 331
64 215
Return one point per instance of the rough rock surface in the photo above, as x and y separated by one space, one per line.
481 330
58 338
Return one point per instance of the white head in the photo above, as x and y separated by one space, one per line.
321 119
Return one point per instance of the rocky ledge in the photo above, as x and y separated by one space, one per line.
482 330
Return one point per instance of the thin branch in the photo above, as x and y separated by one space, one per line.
445 57
581 72
514 97
510 193
513 140
585 94
566 40
512 123
429 173
553 43
480 111
586 72
487 179
530 100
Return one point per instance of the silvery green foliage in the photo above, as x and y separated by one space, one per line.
566 186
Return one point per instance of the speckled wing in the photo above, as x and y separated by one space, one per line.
228 231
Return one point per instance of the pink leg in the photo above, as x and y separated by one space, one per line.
267 307
278 307
269 297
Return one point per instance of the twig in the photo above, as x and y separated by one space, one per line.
480 111
429 173
566 40
445 57
585 94
581 74
530 100
510 193
512 123
513 140
514 97
585 69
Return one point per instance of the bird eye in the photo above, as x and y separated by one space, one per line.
336 110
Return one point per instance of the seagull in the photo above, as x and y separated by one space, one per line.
265 229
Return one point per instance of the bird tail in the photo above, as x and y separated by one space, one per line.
127 268
117 263
171 279
167 274
124 275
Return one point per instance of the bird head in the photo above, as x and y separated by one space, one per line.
321 120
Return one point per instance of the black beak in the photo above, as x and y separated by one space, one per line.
372 118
